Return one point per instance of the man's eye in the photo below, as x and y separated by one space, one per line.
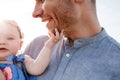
42 1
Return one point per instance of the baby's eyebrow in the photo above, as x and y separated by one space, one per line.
10 35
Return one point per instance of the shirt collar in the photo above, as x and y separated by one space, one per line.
83 42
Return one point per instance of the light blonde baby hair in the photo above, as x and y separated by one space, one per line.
14 24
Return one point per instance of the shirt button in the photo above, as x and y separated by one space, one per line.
67 55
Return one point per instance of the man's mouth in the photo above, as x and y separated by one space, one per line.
49 22
46 19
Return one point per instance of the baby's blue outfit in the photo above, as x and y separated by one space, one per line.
17 72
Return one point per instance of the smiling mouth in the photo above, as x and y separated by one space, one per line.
47 19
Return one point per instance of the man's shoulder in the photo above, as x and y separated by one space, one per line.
112 47
40 38
114 43
34 47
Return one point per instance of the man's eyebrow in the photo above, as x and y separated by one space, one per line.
37 0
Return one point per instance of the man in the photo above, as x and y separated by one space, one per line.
86 52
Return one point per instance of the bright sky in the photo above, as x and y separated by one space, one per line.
21 11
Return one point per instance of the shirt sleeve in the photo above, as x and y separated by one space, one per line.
35 46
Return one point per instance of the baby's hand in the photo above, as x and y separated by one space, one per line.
2 77
54 38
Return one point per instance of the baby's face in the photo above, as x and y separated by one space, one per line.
10 41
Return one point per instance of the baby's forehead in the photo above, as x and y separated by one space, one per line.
7 28
8 22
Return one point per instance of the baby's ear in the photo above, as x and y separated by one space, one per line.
21 44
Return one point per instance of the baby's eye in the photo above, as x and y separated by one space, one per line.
10 38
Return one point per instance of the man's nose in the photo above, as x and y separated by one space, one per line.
38 12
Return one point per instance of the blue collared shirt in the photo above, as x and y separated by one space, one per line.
96 58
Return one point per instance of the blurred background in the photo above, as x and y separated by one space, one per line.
21 11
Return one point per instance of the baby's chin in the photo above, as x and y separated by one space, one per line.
3 56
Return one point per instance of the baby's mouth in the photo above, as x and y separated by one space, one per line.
3 49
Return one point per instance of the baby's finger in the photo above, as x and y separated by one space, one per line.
61 34
51 35
57 35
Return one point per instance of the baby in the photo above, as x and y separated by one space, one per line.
14 67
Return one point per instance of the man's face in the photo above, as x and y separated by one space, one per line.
58 14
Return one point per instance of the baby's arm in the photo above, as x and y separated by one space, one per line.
2 77
37 66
